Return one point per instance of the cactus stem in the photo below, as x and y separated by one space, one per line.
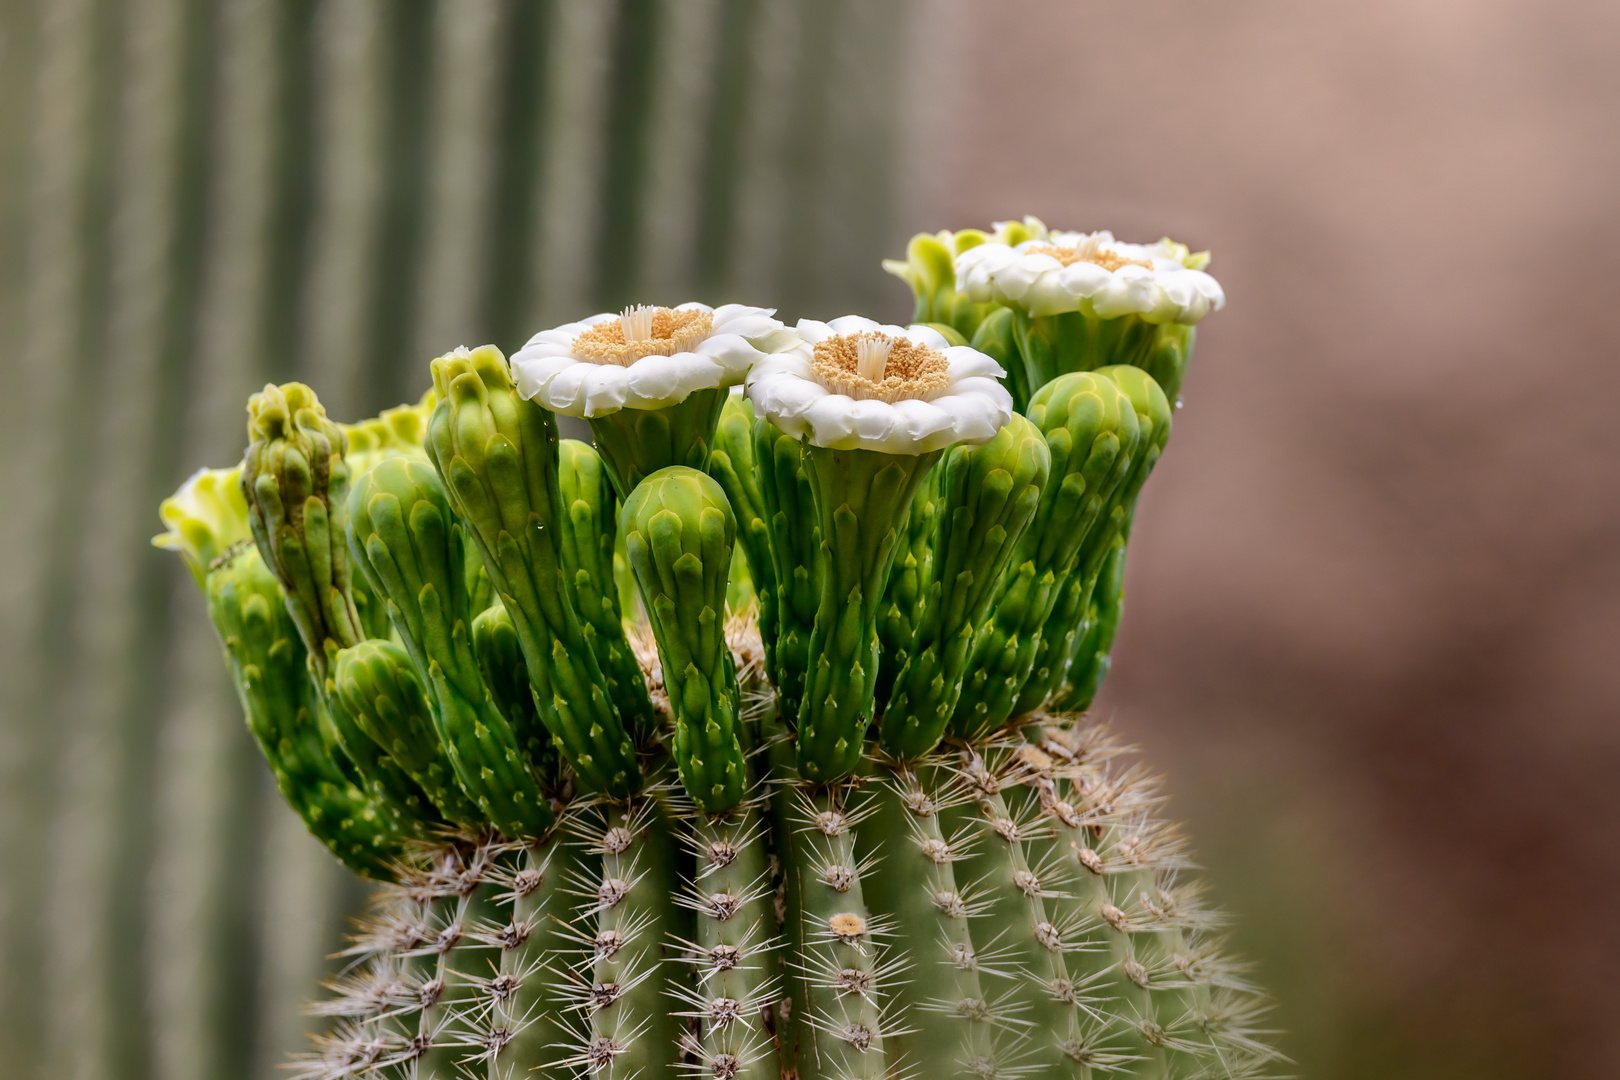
957 1022
627 905
1047 994
840 958
523 1027
733 954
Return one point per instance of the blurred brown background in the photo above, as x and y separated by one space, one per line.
1373 603
1374 588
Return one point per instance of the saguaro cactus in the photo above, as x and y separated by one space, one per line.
854 837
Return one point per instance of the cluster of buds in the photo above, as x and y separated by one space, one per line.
676 750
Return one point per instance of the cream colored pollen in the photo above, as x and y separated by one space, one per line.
872 366
1089 250
644 331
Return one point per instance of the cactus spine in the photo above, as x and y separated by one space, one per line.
634 824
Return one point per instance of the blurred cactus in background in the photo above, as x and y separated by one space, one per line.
641 838
198 197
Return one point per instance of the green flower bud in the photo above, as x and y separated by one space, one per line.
400 430
1089 660
635 443
206 517
734 467
679 532
378 687
861 499
1092 434
500 659
989 496
283 707
587 539
930 269
1057 647
794 539
411 549
909 581
295 482
497 454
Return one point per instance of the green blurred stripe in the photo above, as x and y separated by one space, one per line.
625 132
21 786
522 111
393 373
147 930
723 140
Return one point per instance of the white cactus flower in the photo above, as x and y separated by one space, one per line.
1092 273
643 357
857 384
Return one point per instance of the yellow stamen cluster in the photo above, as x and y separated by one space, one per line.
1089 250
875 367
644 331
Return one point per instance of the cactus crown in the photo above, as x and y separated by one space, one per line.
743 743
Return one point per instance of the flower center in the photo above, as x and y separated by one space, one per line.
1089 250
874 366
644 331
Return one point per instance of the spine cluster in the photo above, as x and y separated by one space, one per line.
1010 909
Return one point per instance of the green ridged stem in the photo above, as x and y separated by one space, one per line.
782 812
789 503
1131 953
735 468
1021 929
989 495
530 1015
466 890
955 1024
841 973
997 338
588 533
1058 632
969 927
735 959
266 658
628 1009
1088 664
500 661
635 443
910 583
295 480
411 549
861 497
379 689
1091 433
679 533
497 454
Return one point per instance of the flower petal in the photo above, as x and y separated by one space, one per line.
548 369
